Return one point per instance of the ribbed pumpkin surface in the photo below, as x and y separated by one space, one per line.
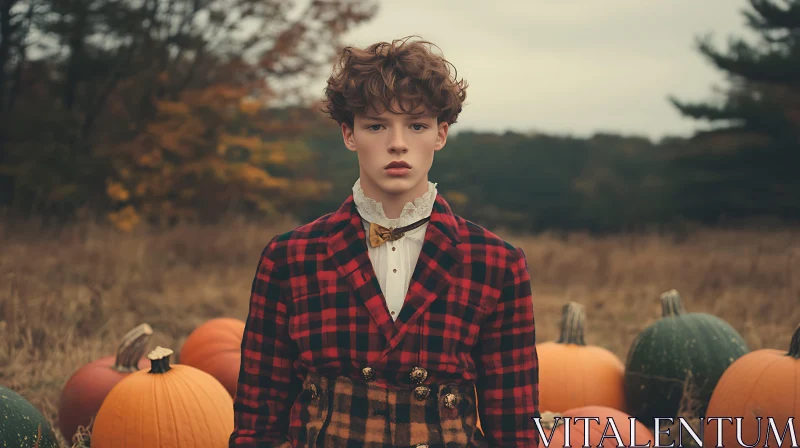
175 406
215 348
573 374
673 348
764 383
20 422
86 389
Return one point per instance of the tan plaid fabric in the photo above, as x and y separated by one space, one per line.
345 412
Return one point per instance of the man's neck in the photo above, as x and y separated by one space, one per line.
393 204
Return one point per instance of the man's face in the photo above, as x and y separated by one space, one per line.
395 152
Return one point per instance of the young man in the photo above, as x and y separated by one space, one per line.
378 324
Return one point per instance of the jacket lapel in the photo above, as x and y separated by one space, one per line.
347 248
439 261
438 264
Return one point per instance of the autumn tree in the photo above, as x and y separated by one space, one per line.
151 98
746 165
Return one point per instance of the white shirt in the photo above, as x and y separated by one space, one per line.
394 261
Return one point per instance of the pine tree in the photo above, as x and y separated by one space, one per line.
746 165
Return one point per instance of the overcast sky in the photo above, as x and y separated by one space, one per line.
568 66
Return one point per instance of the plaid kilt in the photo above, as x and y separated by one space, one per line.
343 412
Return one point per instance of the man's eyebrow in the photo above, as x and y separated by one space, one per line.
373 118
412 117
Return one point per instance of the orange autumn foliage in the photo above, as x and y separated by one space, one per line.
206 154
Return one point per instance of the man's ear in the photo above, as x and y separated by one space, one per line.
441 137
348 138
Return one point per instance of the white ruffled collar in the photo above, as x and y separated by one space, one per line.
372 210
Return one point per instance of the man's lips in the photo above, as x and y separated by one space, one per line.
397 165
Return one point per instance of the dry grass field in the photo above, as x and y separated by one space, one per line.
66 297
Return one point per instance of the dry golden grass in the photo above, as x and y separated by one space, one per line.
66 297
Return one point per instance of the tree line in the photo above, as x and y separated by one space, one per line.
160 110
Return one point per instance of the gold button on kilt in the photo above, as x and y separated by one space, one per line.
450 401
368 373
421 392
314 391
418 375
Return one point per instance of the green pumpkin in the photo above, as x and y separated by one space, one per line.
679 345
20 422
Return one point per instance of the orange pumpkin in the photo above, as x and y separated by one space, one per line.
573 374
215 348
169 406
84 391
763 383
597 429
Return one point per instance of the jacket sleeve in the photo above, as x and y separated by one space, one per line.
507 363
267 383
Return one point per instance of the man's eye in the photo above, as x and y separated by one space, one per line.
421 127
372 127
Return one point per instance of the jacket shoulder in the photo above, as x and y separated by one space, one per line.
474 235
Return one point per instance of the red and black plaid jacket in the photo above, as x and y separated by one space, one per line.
316 305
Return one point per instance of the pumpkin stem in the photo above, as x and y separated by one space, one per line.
131 349
159 360
671 304
549 420
794 346
573 317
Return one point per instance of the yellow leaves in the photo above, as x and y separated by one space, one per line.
304 189
252 142
173 108
125 219
117 191
277 158
253 175
258 178
181 137
260 152
219 94
280 152
249 106
149 160
217 168
221 149
211 149
141 189
271 152
170 141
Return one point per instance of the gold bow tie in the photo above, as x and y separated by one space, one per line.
379 234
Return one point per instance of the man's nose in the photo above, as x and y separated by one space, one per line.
398 144
398 149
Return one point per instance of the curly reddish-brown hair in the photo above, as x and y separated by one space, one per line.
406 72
